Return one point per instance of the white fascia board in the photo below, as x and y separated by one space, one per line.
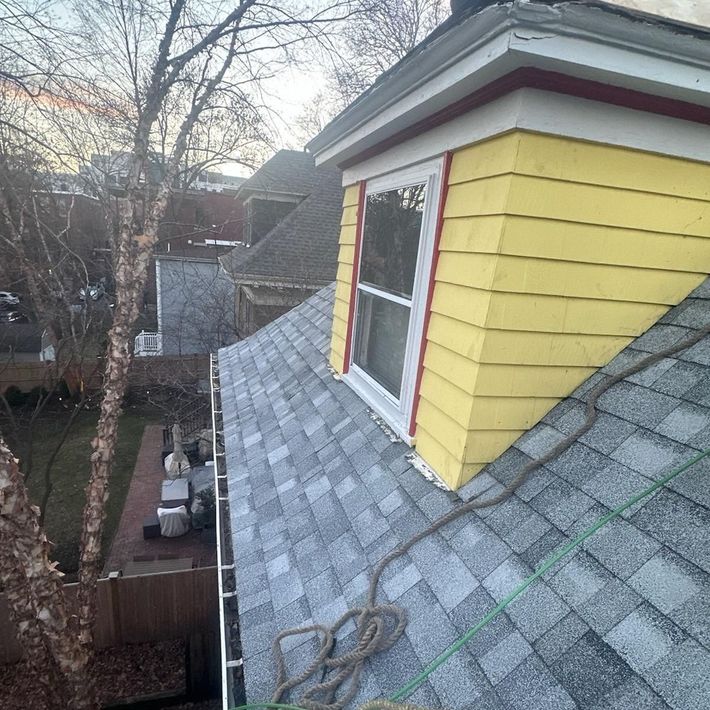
581 41
549 113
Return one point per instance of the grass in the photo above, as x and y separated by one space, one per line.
70 474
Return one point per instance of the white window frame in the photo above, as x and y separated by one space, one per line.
397 412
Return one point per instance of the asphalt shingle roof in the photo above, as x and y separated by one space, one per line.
319 493
287 171
303 247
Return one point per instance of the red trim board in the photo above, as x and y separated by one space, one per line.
355 275
531 77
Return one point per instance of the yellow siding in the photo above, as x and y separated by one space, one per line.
555 254
344 276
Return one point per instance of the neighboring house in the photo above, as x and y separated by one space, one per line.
195 306
293 221
527 212
24 342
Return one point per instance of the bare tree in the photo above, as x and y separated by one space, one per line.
153 81
373 40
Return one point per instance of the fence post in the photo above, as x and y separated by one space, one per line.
114 602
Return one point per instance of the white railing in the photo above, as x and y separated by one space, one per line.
147 344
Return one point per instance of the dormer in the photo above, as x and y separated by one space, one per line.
274 191
526 193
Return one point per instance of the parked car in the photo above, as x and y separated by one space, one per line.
8 316
92 291
9 298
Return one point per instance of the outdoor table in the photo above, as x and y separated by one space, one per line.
174 493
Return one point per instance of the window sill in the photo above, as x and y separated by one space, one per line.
390 415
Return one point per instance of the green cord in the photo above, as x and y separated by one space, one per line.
413 684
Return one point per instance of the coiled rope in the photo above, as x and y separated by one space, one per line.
379 626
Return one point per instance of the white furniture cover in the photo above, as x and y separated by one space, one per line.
173 521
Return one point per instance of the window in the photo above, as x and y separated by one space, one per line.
393 275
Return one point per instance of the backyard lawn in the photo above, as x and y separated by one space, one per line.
70 474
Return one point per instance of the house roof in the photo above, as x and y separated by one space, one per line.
480 48
319 493
303 247
287 171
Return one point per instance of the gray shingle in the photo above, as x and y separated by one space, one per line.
664 581
682 678
590 669
508 654
309 522
643 638
680 524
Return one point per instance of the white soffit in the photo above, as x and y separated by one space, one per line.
581 41
545 112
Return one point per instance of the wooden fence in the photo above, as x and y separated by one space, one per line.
144 372
154 607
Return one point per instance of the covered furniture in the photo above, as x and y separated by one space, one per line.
174 521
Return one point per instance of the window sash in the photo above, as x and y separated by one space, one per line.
396 411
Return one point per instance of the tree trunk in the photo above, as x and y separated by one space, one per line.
131 274
38 605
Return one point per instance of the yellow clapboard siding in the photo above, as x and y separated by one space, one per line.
344 273
596 244
447 397
481 234
446 465
522 348
520 380
492 157
559 314
348 234
460 337
592 204
346 254
544 276
351 195
449 433
342 291
467 269
488 196
554 254
578 161
483 446
349 216
555 314
509 412
340 310
470 305
456 368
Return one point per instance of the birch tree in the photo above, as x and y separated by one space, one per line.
142 78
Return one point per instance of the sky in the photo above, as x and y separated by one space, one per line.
287 94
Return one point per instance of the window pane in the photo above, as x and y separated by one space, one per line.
380 340
390 243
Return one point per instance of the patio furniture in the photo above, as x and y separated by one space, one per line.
151 527
174 493
174 522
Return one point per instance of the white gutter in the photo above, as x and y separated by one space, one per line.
220 473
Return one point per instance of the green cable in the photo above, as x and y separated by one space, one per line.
413 684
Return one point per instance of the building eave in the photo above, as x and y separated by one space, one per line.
592 42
